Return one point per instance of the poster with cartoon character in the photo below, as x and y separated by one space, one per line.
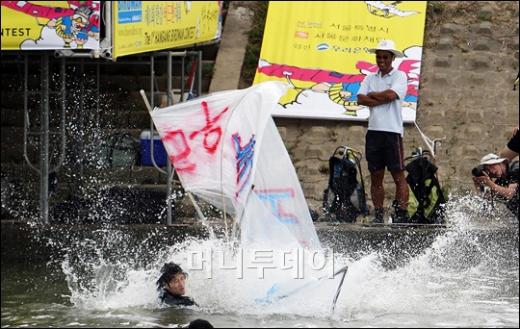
34 25
321 50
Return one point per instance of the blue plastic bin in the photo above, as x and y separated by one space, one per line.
159 152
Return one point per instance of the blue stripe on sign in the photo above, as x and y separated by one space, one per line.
129 12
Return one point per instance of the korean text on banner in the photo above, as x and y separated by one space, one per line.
321 48
143 26
227 150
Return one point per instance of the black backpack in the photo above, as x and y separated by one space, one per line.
124 151
119 150
344 198
426 200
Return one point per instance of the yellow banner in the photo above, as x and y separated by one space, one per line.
143 26
321 48
38 25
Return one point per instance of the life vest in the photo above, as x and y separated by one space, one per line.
426 199
344 198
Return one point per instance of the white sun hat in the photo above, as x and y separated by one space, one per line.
491 159
387 45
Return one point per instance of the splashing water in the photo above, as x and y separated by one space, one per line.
468 276
460 258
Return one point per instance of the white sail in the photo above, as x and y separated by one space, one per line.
227 150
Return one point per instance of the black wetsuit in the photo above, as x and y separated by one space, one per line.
175 300
512 177
514 143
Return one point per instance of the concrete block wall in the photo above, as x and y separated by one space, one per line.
470 60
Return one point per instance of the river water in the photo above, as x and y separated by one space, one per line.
466 275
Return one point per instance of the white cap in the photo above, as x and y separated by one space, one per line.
387 45
491 159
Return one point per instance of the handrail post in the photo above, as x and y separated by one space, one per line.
44 141
169 165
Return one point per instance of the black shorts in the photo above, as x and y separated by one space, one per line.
384 149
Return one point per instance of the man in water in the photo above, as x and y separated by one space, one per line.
172 286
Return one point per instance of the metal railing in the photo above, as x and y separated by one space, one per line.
44 168
170 100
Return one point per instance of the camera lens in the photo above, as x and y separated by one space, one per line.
477 171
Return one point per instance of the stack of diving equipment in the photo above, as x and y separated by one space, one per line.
344 198
426 200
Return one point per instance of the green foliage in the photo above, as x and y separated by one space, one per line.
208 69
254 46
435 7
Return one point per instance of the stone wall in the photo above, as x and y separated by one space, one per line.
469 63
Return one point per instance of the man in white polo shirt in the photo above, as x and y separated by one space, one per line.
383 94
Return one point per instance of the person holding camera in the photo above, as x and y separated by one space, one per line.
501 177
